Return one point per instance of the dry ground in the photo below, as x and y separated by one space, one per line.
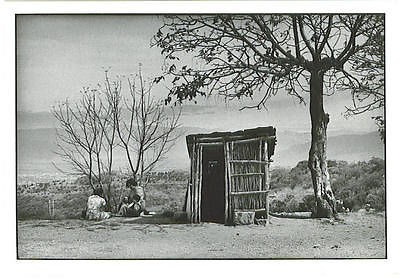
361 235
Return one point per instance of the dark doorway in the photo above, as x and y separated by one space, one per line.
213 184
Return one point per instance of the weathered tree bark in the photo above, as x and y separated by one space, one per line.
108 195
90 170
317 160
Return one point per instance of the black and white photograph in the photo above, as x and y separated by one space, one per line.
200 136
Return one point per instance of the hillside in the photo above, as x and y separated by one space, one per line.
36 149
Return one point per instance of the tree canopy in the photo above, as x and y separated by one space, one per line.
238 55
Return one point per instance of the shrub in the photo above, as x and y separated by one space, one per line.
308 203
355 183
376 199
292 205
288 204
279 178
277 206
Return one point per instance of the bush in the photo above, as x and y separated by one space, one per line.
277 206
362 183
356 184
279 178
307 204
291 204
376 199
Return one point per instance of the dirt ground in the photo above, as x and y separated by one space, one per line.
360 235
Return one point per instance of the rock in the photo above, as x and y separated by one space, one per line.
243 217
335 246
317 246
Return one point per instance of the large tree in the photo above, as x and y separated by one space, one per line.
260 55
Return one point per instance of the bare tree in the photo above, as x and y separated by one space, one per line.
149 130
259 55
108 131
91 129
86 135
77 135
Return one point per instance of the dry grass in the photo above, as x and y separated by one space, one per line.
165 192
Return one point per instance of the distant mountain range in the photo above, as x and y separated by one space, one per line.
348 147
36 149
350 140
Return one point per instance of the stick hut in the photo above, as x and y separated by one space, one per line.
229 174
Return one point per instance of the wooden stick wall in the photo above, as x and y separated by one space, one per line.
246 177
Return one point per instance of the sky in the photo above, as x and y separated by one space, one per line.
59 54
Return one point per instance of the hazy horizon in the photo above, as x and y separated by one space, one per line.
59 54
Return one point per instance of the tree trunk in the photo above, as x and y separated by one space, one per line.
90 177
108 196
317 161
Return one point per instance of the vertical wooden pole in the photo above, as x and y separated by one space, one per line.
268 181
193 181
188 201
49 207
227 165
52 211
200 181
260 165
196 214
230 181
266 177
196 187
